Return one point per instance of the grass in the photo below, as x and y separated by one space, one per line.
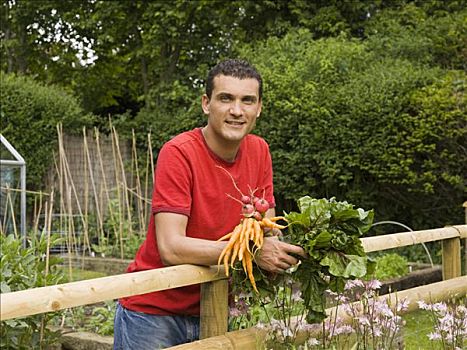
79 274
418 326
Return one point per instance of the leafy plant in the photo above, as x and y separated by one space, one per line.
30 112
24 268
329 231
97 318
117 224
390 266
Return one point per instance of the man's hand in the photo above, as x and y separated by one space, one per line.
274 255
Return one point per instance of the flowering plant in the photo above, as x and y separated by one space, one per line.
450 324
366 321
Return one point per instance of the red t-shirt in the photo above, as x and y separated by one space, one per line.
188 182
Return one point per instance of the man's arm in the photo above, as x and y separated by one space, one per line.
176 248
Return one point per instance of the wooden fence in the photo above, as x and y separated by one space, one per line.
214 288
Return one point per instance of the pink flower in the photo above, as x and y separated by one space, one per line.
422 305
374 284
434 336
350 284
344 329
403 305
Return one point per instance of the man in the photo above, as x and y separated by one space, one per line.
191 209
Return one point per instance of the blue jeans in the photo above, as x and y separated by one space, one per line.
139 331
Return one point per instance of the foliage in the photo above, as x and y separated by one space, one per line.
111 247
390 266
364 100
120 239
329 231
24 268
344 121
30 112
409 32
98 318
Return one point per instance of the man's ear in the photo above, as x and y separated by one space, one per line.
259 109
205 104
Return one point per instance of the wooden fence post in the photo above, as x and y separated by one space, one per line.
214 310
451 258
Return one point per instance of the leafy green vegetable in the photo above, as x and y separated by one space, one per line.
329 231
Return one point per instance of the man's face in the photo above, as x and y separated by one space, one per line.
233 107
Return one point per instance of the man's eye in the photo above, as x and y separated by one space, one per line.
248 101
225 98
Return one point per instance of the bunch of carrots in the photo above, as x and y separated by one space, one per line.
247 237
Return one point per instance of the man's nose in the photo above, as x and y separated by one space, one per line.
236 108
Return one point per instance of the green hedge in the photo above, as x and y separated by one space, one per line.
383 132
30 112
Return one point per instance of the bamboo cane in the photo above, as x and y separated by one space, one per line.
138 185
120 209
48 226
124 182
104 179
117 182
37 214
12 210
146 177
94 190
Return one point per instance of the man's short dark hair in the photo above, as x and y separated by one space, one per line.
236 68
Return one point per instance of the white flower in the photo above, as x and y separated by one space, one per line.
422 305
434 336
403 305
313 341
287 332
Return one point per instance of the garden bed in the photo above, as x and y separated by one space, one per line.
421 274
108 266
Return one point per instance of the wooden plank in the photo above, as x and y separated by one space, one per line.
62 296
214 308
252 338
451 250
245 339
395 240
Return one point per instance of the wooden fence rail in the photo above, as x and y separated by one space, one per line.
214 285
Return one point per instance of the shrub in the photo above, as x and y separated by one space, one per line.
381 131
390 266
30 112
25 268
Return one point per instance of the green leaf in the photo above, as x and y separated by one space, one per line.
347 266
